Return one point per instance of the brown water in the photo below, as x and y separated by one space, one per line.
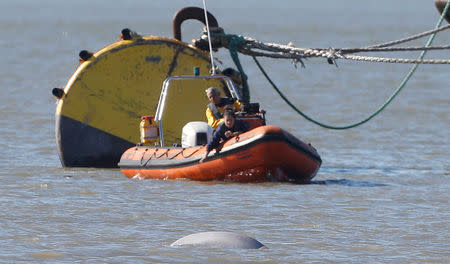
381 195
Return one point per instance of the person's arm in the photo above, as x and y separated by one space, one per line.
240 127
211 120
214 142
235 133
204 157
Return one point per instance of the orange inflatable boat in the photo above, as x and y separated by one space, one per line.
265 153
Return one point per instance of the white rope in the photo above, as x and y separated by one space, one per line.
274 50
394 60
335 54
420 35
213 67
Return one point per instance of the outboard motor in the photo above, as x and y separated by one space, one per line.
196 134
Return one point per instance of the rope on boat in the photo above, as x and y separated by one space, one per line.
245 45
182 152
176 154
146 162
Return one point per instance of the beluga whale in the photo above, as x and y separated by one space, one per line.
220 240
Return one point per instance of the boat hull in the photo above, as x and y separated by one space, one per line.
266 153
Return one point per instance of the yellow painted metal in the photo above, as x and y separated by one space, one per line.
122 82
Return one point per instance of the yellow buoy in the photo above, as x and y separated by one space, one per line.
112 88
109 92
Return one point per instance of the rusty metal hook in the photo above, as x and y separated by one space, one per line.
440 5
190 13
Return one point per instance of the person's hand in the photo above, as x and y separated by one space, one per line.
262 111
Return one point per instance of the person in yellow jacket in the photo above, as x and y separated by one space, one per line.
214 110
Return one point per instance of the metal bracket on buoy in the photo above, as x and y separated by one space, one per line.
58 92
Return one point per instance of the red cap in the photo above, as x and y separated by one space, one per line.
147 117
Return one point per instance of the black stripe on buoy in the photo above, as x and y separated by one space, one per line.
80 145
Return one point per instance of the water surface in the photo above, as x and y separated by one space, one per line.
381 195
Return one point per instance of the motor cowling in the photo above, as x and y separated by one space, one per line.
196 133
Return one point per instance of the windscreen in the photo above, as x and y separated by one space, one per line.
186 102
